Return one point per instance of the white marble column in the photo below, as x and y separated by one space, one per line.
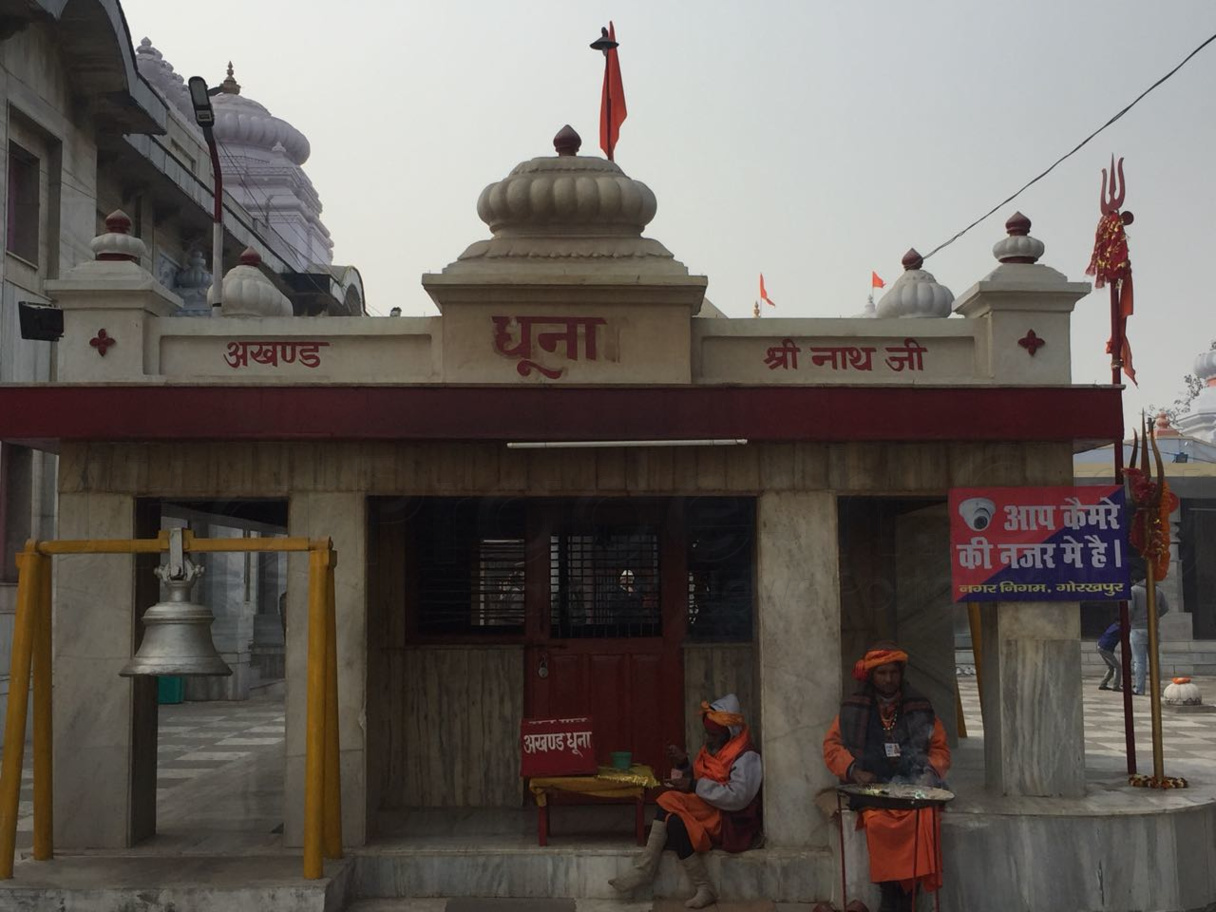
799 654
924 610
342 517
1034 737
94 632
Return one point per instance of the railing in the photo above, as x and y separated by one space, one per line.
32 649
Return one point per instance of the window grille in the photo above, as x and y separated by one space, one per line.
605 583
470 566
721 567
24 204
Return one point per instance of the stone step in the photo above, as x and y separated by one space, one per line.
772 874
160 883
561 905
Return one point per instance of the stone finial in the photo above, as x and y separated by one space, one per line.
1182 693
230 86
567 141
916 293
1162 426
248 293
117 243
1018 246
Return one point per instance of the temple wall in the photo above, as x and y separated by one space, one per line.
794 682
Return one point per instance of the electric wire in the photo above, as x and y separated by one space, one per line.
1071 152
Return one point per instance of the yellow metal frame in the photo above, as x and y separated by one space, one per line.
32 650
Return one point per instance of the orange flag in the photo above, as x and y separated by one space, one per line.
764 294
875 281
612 99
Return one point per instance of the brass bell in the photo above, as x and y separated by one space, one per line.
177 632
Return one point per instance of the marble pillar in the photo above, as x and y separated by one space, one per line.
799 658
93 705
924 625
342 517
1034 738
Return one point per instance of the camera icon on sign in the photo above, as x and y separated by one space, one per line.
977 512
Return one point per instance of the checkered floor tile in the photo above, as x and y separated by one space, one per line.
194 740
1190 737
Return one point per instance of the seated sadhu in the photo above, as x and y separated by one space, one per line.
886 732
715 803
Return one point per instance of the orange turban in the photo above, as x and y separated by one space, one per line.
721 718
876 657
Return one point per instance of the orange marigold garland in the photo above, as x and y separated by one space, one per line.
1150 531
1144 780
1110 261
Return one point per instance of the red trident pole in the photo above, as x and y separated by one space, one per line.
1110 201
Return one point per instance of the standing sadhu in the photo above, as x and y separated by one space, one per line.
715 803
886 732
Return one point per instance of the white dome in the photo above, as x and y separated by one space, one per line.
916 293
557 211
242 121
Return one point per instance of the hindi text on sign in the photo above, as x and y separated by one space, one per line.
272 353
909 356
573 335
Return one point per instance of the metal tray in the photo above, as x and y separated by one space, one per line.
890 795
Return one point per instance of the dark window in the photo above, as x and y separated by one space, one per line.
721 557
23 204
16 478
470 566
604 582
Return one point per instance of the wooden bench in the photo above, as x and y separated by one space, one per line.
608 785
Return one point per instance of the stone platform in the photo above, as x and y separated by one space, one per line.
174 883
494 853
1117 849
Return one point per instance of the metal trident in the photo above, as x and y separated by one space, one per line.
1112 200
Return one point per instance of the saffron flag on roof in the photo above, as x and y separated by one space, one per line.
764 294
612 99
875 281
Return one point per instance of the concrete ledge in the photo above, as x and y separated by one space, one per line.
781 875
1124 861
85 883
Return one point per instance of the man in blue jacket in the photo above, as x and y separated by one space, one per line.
1106 648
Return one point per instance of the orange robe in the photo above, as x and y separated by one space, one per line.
702 820
904 845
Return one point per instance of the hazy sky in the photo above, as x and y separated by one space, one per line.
811 141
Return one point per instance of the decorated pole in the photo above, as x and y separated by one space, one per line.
1154 502
1110 264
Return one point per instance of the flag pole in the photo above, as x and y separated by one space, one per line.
607 43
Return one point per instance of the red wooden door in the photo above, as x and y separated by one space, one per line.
606 622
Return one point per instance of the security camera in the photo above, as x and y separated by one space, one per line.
977 512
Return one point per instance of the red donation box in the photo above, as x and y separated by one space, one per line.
556 747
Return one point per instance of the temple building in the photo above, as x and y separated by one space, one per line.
577 491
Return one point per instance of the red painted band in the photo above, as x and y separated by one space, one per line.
546 413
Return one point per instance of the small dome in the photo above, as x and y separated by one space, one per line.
556 211
1205 366
242 121
248 293
916 293
568 189
1018 246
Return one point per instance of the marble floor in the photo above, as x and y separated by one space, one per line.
1189 738
219 778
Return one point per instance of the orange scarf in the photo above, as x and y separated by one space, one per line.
702 820
876 658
